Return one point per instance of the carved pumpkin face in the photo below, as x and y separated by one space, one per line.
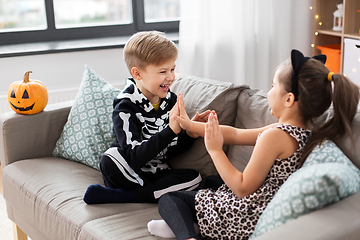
27 96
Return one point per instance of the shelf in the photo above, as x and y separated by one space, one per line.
338 34
323 23
330 32
355 36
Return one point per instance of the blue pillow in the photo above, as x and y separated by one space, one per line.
327 176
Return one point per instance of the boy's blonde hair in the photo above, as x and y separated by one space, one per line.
145 48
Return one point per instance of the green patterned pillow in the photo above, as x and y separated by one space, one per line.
328 152
326 177
88 131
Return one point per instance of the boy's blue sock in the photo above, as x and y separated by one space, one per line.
96 194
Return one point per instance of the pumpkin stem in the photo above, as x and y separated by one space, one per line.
26 76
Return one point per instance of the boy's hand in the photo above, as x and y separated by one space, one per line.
182 117
213 137
174 125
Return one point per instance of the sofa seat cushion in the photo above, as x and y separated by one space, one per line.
48 192
127 225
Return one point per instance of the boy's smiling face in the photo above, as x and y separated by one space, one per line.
154 81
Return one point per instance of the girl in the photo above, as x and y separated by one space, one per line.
302 91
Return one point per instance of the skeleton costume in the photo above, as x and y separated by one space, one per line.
144 143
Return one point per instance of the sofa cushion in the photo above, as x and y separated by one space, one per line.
201 94
48 194
327 176
253 111
88 131
345 144
124 226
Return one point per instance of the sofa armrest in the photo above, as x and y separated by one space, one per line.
337 221
31 136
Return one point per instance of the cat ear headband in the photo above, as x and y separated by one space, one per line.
297 60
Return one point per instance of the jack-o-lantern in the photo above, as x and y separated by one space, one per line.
27 96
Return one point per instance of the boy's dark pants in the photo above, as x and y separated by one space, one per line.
153 185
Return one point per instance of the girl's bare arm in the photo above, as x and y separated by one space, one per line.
232 135
269 146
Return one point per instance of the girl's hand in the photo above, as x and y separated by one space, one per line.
174 125
200 118
213 137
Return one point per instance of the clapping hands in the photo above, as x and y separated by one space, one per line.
183 119
209 128
213 138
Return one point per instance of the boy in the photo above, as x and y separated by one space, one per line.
134 168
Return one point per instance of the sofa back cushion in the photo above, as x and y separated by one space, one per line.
201 94
345 144
253 111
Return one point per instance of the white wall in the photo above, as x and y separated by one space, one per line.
62 72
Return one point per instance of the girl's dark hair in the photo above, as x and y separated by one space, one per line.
316 93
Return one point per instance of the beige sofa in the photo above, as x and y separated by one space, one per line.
44 193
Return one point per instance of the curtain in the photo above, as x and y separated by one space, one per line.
241 41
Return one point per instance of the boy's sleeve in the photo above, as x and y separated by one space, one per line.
127 129
184 143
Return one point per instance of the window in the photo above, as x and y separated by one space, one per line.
72 14
22 15
31 21
161 10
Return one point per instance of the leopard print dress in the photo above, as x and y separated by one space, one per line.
222 215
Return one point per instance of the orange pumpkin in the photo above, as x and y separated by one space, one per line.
27 96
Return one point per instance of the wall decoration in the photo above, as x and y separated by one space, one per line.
338 18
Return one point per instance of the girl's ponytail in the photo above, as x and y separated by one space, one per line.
345 98
345 102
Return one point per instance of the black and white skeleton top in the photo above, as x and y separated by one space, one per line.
143 136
